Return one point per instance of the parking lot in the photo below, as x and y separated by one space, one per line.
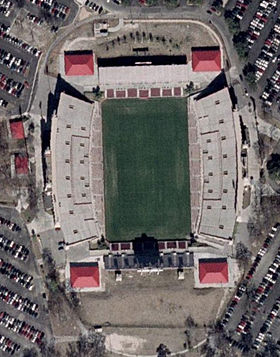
18 59
253 313
23 321
260 21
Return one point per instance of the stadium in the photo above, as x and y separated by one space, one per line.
147 169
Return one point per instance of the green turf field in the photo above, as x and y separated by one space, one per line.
146 168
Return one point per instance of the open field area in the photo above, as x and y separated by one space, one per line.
150 309
146 169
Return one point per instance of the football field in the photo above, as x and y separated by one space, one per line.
146 168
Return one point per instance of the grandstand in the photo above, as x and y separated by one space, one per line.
218 153
74 187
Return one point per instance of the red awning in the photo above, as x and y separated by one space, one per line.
206 60
84 275
78 64
213 272
17 130
21 164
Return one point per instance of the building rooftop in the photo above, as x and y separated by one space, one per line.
21 164
213 271
206 59
84 275
165 260
17 130
78 63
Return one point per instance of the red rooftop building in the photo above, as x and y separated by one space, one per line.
84 275
21 164
213 271
78 63
206 59
17 130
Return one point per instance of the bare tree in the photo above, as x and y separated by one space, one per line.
163 350
242 253
92 344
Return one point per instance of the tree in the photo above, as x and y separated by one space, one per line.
30 352
218 4
241 44
249 72
190 322
92 344
162 350
48 350
233 25
46 16
20 3
242 252
273 167
172 3
190 87
271 348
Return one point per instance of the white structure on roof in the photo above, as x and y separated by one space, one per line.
219 165
149 76
70 147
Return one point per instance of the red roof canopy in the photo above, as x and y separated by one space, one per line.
206 60
17 130
78 63
84 275
21 164
213 271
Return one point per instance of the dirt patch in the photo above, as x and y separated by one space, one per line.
158 304
146 340
38 36
152 307
84 13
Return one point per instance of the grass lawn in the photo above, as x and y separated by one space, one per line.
146 168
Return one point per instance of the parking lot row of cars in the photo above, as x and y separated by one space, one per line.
5 34
240 8
266 325
13 63
269 51
93 6
245 324
18 302
9 224
35 19
271 91
11 86
268 281
5 7
239 293
15 274
7 345
3 103
265 8
22 328
53 8
243 286
16 250
262 251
